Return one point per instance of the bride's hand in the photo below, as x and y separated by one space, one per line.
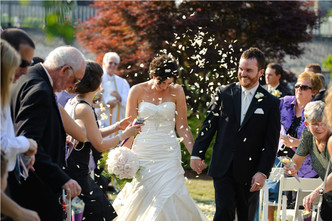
124 123
132 130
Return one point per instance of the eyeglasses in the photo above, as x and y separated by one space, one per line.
317 125
114 63
302 87
25 63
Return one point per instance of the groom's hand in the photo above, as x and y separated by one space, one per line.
257 182
197 165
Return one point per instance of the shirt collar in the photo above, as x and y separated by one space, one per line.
272 88
251 91
48 75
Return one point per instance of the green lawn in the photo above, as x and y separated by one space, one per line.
202 191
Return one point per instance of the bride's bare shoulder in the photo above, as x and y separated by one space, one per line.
137 88
177 89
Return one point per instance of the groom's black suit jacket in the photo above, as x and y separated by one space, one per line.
36 115
247 148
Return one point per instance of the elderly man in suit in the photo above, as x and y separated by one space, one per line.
273 74
36 115
246 119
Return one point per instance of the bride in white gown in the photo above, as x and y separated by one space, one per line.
158 191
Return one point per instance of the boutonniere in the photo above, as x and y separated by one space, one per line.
276 93
259 96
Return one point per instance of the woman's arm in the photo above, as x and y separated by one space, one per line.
120 125
181 122
15 211
132 106
75 128
86 114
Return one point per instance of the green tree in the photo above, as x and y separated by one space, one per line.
327 63
206 37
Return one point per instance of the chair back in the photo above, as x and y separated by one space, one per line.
292 184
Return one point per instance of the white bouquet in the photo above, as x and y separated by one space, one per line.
123 163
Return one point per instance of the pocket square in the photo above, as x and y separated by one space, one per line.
259 111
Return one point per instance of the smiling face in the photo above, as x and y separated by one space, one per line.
248 73
319 129
111 65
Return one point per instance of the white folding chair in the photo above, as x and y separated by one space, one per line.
291 184
264 203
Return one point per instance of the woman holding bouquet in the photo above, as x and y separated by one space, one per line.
97 206
158 192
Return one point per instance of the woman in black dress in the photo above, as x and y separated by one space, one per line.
97 205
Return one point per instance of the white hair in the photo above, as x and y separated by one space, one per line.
65 55
111 54
314 111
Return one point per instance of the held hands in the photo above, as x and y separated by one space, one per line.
197 165
290 141
73 188
257 182
117 95
113 103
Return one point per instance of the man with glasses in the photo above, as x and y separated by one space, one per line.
36 115
115 92
24 45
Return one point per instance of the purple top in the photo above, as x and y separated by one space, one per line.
287 114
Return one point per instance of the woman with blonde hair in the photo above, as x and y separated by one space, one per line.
11 145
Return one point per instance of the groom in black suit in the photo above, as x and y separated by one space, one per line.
246 119
36 115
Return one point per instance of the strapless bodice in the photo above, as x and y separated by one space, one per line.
158 118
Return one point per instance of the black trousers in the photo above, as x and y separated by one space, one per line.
231 196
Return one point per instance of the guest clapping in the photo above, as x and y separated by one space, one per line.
314 142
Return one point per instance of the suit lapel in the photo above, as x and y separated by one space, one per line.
253 106
42 73
237 103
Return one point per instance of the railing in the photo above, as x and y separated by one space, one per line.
15 14
325 28
33 15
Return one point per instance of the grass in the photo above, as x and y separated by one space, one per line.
202 191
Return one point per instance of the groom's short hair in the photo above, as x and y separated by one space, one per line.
255 53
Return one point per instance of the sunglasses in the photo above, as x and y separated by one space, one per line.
25 63
302 87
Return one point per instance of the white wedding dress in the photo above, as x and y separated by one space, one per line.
158 191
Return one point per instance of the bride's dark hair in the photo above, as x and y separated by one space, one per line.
163 67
